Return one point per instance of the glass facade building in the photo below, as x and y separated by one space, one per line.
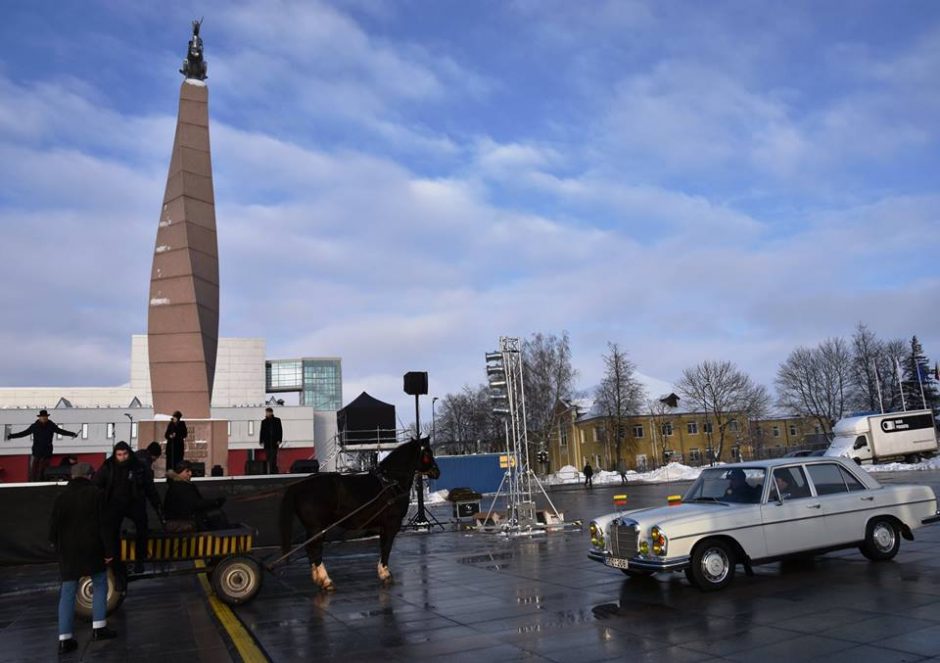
318 380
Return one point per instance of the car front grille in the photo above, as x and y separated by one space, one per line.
624 540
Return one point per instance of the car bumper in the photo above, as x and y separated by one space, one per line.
935 518
643 564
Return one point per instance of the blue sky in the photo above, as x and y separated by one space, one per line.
402 183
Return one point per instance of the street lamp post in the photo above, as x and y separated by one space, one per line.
711 454
433 436
130 436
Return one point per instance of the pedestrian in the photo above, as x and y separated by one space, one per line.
42 431
272 434
588 475
127 484
185 508
175 436
149 455
82 539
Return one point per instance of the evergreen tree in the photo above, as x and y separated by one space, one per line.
920 385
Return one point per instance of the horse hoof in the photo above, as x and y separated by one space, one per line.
329 588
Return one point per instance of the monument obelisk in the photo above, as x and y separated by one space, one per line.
183 312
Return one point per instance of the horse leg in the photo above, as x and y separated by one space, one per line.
317 568
386 537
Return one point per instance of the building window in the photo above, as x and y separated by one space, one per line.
134 430
775 431
667 430
638 431
563 437
251 427
692 427
599 434
695 456
84 431
817 429
229 427
733 425
110 431
794 431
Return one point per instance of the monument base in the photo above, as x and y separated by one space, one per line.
207 442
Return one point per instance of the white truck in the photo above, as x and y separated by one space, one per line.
869 438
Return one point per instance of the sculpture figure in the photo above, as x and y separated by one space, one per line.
194 66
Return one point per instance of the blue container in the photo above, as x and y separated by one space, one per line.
481 472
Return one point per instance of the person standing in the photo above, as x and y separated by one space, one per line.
272 434
175 436
42 431
588 475
82 539
127 483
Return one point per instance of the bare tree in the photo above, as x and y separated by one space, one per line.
814 382
727 395
867 352
548 377
618 396
466 423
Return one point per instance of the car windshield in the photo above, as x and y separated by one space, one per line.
743 485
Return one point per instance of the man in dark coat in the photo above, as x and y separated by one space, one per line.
271 437
80 534
588 475
175 436
127 483
184 507
42 431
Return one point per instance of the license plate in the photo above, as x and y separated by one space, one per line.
617 563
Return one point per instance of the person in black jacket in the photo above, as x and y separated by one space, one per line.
185 508
42 432
271 437
127 484
175 436
79 532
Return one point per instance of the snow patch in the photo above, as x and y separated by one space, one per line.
437 497
195 81
159 301
924 465
671 472
162 248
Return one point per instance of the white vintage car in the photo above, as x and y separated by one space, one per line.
750 513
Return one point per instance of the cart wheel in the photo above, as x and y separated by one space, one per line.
236 579
117 590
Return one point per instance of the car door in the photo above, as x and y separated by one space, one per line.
792 515
846 503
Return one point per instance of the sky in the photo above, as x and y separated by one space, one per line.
400 184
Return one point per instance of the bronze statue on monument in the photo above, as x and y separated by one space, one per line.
194 66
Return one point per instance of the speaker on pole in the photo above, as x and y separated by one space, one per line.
416 383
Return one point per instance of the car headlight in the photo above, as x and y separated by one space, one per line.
660 544
644 547
597 535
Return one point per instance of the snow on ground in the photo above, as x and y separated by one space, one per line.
671 472
437 497
679 472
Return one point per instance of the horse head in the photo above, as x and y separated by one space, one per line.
426 464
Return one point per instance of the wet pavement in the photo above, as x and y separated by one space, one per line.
484 597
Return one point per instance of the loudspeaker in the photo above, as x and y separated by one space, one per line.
199 469
305 467
217 471
256 467
416 383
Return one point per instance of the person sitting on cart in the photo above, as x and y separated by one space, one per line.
185 508
128 484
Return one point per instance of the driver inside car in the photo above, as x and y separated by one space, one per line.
739 490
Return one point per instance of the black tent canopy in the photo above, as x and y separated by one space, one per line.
367 420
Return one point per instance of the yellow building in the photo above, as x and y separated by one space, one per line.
649 440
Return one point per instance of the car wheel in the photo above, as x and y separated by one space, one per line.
637 573
713 563
882 540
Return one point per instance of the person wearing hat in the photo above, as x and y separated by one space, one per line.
127 484
272 434
42 431
175 436
739 490
79 532
185 507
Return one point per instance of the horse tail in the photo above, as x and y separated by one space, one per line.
287 518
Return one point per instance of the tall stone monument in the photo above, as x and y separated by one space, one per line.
183 312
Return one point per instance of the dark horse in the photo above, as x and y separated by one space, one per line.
378 499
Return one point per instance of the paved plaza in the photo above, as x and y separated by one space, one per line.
468 596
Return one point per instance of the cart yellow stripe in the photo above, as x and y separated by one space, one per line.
247 648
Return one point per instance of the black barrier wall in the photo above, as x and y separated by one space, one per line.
25 512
